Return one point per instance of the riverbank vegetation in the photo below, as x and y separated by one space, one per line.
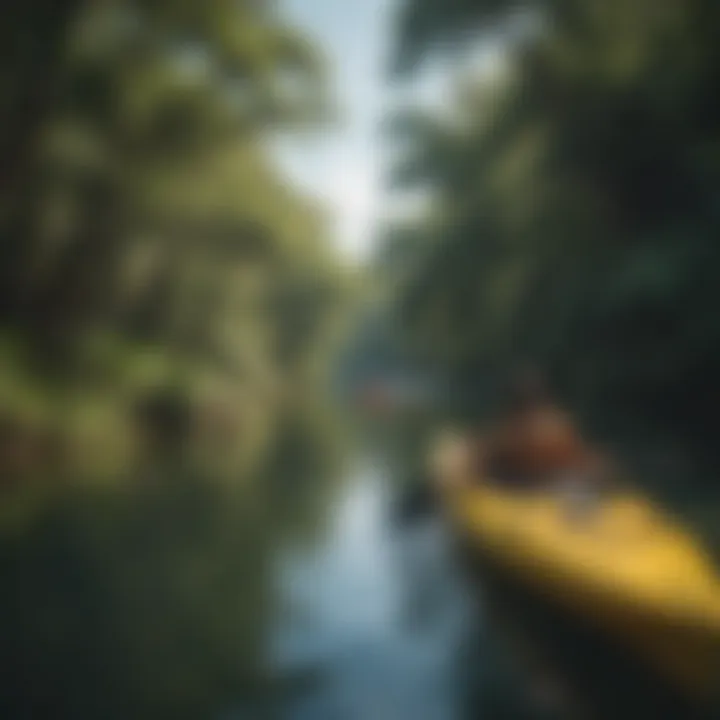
571 177
168 305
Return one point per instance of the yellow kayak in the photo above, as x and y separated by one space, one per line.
626 569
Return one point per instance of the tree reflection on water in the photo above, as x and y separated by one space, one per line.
155 599
292 595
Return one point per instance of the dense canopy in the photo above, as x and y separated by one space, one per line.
575 205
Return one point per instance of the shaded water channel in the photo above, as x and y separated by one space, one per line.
293 597
374 619
382 622
380 613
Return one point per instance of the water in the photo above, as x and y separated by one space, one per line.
163 602
165 605
381 624
380 615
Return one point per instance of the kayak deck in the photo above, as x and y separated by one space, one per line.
626 568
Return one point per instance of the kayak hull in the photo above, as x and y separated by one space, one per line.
626 571
596 676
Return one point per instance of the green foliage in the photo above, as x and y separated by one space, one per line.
154 221
441 26
575 206
168 304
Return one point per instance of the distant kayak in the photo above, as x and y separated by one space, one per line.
624 568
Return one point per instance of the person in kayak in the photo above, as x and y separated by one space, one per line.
537 444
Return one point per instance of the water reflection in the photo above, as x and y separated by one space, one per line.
292 596
383 615
287 595
155 598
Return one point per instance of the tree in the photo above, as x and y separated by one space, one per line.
165 293
155 214
576 203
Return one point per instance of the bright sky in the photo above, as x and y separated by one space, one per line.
343 167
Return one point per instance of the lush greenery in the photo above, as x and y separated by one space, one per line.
167 307
148 237
574 212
